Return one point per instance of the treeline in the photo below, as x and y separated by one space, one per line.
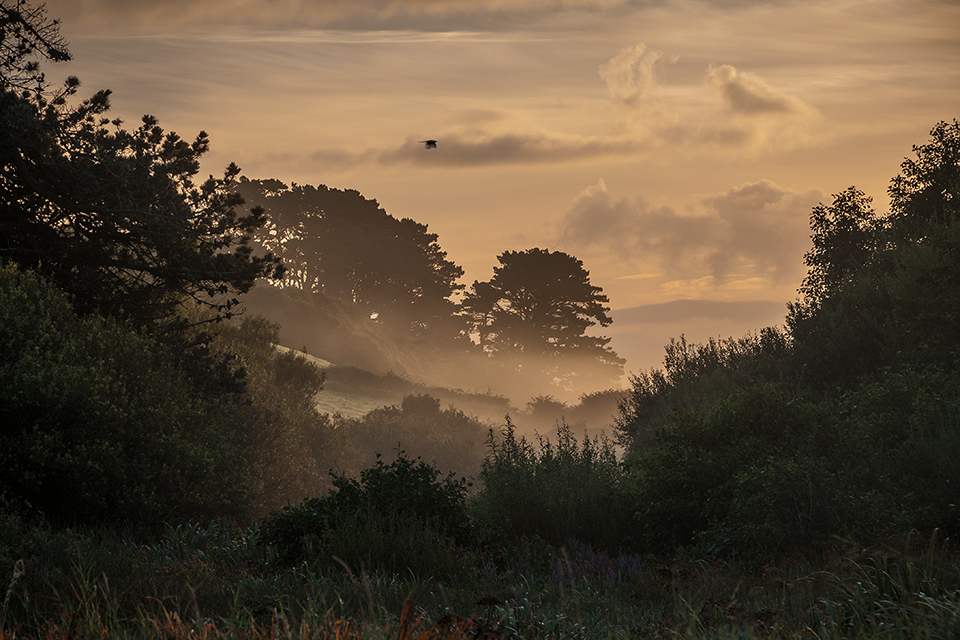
526 326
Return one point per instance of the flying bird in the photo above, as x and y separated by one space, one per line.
429 144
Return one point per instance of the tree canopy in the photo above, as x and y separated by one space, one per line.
28 37
343 245
112 216
537 308
881 289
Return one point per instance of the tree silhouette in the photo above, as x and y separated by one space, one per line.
343 245
28 37
112 216
845 237
535 312
882 289
926 190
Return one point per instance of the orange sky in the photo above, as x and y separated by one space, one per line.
676 147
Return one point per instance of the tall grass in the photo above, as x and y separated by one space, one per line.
217 581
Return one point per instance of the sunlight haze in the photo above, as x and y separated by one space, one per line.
675 147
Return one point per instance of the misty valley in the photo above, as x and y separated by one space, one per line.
242 408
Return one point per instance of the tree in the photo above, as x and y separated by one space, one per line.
881 290
535 312
27 32
109 215
927 190
343 245
846 235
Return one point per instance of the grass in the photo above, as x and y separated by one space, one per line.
216 581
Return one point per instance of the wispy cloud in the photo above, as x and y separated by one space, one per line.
731 111
456 150
631 75
389 14
753 117
744 93
747 117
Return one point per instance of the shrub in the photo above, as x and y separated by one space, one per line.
292 445
697 377
403 506
763 471
557 491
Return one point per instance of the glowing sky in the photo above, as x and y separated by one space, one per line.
676 147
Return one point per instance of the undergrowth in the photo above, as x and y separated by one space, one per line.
219 581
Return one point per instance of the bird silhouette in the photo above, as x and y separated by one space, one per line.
429 144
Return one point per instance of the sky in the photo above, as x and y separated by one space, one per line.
676 147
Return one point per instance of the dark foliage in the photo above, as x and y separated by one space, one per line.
28 37
347 247
556 490
534 313
448 438
97 423
407 498
697 377
112 216
291 444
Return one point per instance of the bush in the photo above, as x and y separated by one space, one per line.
448 438
910 419
292 445
764 471
100 425
767 472
400 510
561 491
697 377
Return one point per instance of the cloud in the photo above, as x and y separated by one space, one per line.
764 224
631 74
455 150
745 93
635 231
731 111
755 231
348 14
755 117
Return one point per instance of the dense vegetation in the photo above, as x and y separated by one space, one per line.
843 423
797 482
